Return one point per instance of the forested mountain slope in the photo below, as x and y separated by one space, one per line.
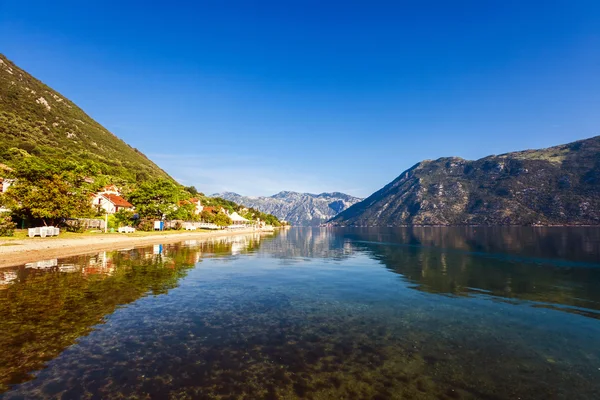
37 121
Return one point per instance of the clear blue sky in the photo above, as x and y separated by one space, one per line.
262 96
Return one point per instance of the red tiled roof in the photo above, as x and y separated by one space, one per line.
117 200
209 209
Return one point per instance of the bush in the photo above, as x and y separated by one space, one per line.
112 222
146 225
123 217
75 226
7 226
178 226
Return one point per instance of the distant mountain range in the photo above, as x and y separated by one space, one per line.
300 209
555 186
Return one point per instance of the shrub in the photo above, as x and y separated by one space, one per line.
123 217
112 222
7 226
76 226
145 225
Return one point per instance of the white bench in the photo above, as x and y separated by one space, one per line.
43 231
126 229
190 227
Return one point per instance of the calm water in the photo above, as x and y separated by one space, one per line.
440 313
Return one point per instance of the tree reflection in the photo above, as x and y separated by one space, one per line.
45 306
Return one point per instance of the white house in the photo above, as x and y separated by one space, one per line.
5 184
196 202
109 199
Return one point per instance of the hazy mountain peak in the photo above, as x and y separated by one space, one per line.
301 209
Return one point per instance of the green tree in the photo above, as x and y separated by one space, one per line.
223 219
183 212
7 226
49 199
49 192
207 216
123 217
156 198
192 190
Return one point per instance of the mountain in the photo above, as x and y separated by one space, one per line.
37 121
558 185
299 209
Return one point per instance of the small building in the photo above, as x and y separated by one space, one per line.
5 184
110 200
210 210
237 219
111 189
194 201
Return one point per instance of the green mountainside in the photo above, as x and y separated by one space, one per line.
59 156
37 121
558 185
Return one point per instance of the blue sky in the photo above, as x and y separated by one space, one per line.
261 96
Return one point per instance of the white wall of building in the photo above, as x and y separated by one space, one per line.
106 205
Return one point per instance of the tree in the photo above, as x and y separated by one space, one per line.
222 219
48 192
185 212
192 189
207 216
155 198
49 199
123 217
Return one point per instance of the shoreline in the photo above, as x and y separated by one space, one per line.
29 250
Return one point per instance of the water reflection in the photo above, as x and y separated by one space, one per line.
560 266
310 313
575 244
47 305
301 243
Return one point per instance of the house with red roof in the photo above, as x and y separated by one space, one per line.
109 199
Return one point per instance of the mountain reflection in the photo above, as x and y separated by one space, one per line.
308 243
551 265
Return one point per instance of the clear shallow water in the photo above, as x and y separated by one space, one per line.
438 313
